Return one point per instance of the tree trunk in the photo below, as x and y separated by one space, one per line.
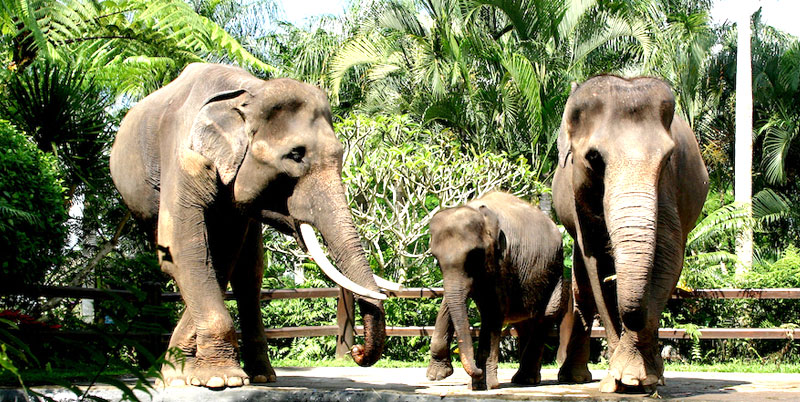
743 177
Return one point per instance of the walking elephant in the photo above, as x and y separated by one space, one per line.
629 186
507 256
202 163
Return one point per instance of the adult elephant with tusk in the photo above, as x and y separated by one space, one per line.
202 163
628 188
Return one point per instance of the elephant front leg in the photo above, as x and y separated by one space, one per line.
246 283
176 367
635 362
216 362
578 323
441 366
488 351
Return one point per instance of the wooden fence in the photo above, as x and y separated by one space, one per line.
345 329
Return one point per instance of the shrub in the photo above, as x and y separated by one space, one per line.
32 210
398 175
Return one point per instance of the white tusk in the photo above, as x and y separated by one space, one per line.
386 284
310 238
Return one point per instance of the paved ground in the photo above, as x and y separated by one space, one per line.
409 384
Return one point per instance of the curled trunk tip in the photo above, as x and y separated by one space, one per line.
374 334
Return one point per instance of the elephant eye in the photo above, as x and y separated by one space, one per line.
296 154
594 158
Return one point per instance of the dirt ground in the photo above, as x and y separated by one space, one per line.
358 384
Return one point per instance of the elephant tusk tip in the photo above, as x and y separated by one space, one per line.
386 284
310 239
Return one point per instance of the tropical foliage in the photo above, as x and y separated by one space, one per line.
32 212
437 101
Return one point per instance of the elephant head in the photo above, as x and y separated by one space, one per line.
274 148
465 241
618 134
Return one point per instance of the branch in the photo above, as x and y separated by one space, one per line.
90 266
504 31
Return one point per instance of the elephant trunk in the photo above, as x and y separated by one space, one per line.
331 216
631 217
456 297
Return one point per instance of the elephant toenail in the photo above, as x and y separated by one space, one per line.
196 382
215 382
235 381
608 384
178 382
629 380
260 378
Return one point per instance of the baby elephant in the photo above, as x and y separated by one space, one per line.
507 256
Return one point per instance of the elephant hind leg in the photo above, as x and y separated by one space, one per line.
532 335
246 283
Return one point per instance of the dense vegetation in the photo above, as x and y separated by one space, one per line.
437 101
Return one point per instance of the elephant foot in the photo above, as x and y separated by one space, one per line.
174 373
577 374
485 383
263 373
526 378
610 384
630 368
211 376
439 369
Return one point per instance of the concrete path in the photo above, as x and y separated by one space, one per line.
409 384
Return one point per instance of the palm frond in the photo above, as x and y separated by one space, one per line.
725 220
361 49
527 77
769 206
779 132
790 67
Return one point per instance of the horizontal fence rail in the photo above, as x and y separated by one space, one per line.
345 330
407 293
597 332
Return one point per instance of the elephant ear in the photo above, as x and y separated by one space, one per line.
493 227
219 132
564 147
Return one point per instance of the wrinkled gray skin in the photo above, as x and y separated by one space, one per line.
629 187
507 256
202 162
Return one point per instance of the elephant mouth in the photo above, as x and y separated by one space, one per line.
282 223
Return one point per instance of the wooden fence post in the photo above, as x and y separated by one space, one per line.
150 319
345 321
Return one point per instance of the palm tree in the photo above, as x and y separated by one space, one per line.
126 43
496 72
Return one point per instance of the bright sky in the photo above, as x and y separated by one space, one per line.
297 11
782 14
